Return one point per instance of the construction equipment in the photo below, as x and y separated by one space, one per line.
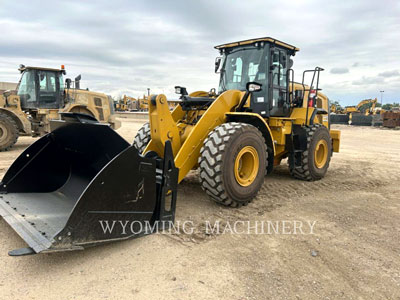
360 114
337 109
40 97
236 136
365 107
143 103
127 104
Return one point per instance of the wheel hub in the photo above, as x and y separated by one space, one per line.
321 154
246 166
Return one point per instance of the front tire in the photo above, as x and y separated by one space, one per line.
233 163
142 138
8 132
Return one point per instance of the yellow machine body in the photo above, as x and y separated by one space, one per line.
188 138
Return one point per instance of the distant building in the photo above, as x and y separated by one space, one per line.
4 86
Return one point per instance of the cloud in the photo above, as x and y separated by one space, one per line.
368 81
121 46
389 73
339 70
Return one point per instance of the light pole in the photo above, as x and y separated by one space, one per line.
381 97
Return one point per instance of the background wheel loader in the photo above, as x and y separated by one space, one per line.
40 97
235 137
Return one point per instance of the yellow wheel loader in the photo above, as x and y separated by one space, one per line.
41 97
259 117
235 136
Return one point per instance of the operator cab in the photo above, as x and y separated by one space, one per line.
41 87
265 61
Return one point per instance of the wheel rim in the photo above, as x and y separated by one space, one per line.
246 166
321 154
3 133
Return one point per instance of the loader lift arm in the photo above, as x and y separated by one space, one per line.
164 127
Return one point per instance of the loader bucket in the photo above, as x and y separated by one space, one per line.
82 185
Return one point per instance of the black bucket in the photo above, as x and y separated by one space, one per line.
79 185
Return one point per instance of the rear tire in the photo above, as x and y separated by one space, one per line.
316 158
142 138
233 163
8 132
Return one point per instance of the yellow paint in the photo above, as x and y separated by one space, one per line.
335 135
251 41
242 115
321 154
246 166
214 116
163 127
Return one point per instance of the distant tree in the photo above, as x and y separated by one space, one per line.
337 104
389 106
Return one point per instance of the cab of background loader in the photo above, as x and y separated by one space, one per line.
41 88
264 61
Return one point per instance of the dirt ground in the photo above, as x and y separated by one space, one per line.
353 253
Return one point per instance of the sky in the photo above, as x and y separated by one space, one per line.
125 47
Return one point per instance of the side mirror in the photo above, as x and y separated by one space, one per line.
272 67
290 63
217 63
180 90
68 83
7 93
253 86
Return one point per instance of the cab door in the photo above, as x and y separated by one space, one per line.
49 93
279 101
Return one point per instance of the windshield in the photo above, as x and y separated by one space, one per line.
26 89
241 66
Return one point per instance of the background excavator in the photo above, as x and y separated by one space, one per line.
40 97
366 107
235 136
361 114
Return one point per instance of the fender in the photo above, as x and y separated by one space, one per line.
255 120
23 123
70 107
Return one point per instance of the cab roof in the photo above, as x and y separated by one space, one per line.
263 39
22 68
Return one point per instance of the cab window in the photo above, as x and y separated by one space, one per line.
26 89
47 81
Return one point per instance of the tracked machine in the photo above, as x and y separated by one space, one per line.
234 136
